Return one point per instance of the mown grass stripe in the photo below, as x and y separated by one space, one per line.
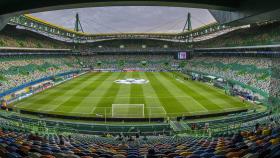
231 101
66 86
122 96
88 104
107 103
168 101
153 106
72 102
63 88
204 101
51 94
218 94
190 104
136 93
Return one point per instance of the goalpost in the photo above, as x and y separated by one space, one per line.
128 111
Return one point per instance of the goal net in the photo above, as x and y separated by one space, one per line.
128 111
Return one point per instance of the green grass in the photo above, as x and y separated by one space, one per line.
93 94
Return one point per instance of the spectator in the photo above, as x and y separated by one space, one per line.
237 138
123 146
151 153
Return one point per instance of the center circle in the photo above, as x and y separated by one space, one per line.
132 81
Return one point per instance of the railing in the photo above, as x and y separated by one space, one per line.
230 127
7 121
136 50
151 114
225 125
16 121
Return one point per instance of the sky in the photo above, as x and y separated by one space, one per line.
132 19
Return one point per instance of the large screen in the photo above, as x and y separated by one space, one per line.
183 55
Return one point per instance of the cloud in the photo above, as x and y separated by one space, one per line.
128 18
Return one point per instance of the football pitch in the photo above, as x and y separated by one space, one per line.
131 95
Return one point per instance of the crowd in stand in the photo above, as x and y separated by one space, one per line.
10 36
255 72
18 70
131 44
146 62
261 34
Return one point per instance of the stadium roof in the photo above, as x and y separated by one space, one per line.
132 19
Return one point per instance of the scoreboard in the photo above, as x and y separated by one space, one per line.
183 55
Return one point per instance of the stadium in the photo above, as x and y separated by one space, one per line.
139 79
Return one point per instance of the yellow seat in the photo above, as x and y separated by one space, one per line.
185 153
274 141
266 132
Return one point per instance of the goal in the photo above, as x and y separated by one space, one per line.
128 111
